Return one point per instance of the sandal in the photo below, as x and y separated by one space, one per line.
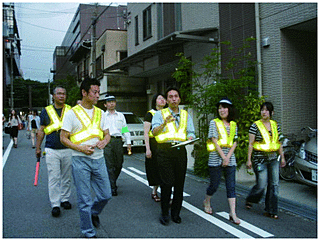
207 209
155 197
248 205
234 220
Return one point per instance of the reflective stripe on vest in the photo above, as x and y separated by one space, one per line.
55 120
150 132
269 143
172 133
224 140
90 127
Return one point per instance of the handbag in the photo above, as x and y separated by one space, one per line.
7 130
20 126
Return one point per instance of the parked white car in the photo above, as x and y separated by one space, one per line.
135 126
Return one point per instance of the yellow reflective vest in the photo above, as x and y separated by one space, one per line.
224 140
90 127
150 132
55 120
172 133
269 144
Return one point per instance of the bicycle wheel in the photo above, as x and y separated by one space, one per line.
288 172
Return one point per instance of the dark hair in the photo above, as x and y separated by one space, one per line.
58 87
15 114
86 84
172 88
231 111
154 101
269 107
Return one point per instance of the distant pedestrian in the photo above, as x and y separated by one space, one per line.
223 141
29 118
14 121
151 164
58 156
170 126
264 143
35 126
113 152
86 132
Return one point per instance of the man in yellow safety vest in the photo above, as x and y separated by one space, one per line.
86 132
58 156
171 126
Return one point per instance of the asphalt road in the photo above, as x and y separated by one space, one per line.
133 214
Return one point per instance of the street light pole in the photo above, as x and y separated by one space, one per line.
11 77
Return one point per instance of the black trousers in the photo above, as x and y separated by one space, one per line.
113 154
172 163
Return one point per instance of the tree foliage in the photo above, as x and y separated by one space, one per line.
204 87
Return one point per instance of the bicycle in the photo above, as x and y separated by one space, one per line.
290 148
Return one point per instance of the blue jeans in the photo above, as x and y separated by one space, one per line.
230 178
267 174
89 173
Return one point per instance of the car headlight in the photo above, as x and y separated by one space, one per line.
302 153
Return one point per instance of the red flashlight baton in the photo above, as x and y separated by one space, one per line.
37 172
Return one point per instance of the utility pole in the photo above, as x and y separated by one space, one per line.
11 77
93 41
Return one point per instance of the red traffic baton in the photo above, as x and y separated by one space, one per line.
37 172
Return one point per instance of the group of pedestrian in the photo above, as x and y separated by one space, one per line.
86 143
17 122
166 166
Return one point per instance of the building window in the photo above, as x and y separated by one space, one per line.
99 65
136 30
121 55
147 23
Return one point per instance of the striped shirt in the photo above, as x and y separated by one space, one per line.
214 157
261 156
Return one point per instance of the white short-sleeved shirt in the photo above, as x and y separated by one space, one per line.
72 125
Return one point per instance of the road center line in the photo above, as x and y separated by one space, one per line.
6 154
199 212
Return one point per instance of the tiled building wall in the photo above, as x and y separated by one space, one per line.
277 71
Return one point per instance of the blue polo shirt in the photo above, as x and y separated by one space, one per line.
53 139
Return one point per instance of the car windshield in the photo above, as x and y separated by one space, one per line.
132 119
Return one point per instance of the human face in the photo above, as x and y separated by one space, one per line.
223 112
160 101
93 95
265 113
111 105
173 99
60 96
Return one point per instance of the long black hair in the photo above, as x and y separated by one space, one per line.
154 101
269 107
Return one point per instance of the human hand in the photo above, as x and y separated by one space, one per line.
101 144
249 164
38 153
283 162
87 149
225 162
169 119
148 154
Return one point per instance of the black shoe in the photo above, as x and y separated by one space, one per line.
66 205
164 220
55 212
114 193
93 236
95 220
176 219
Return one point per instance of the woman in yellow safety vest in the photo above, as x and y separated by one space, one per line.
151 164
264 144
222 143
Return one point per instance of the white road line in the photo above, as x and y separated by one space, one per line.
215 221
140 179
248 226
199 212
6 154
137 171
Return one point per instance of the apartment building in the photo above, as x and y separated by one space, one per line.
11 52
285 48
80 33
